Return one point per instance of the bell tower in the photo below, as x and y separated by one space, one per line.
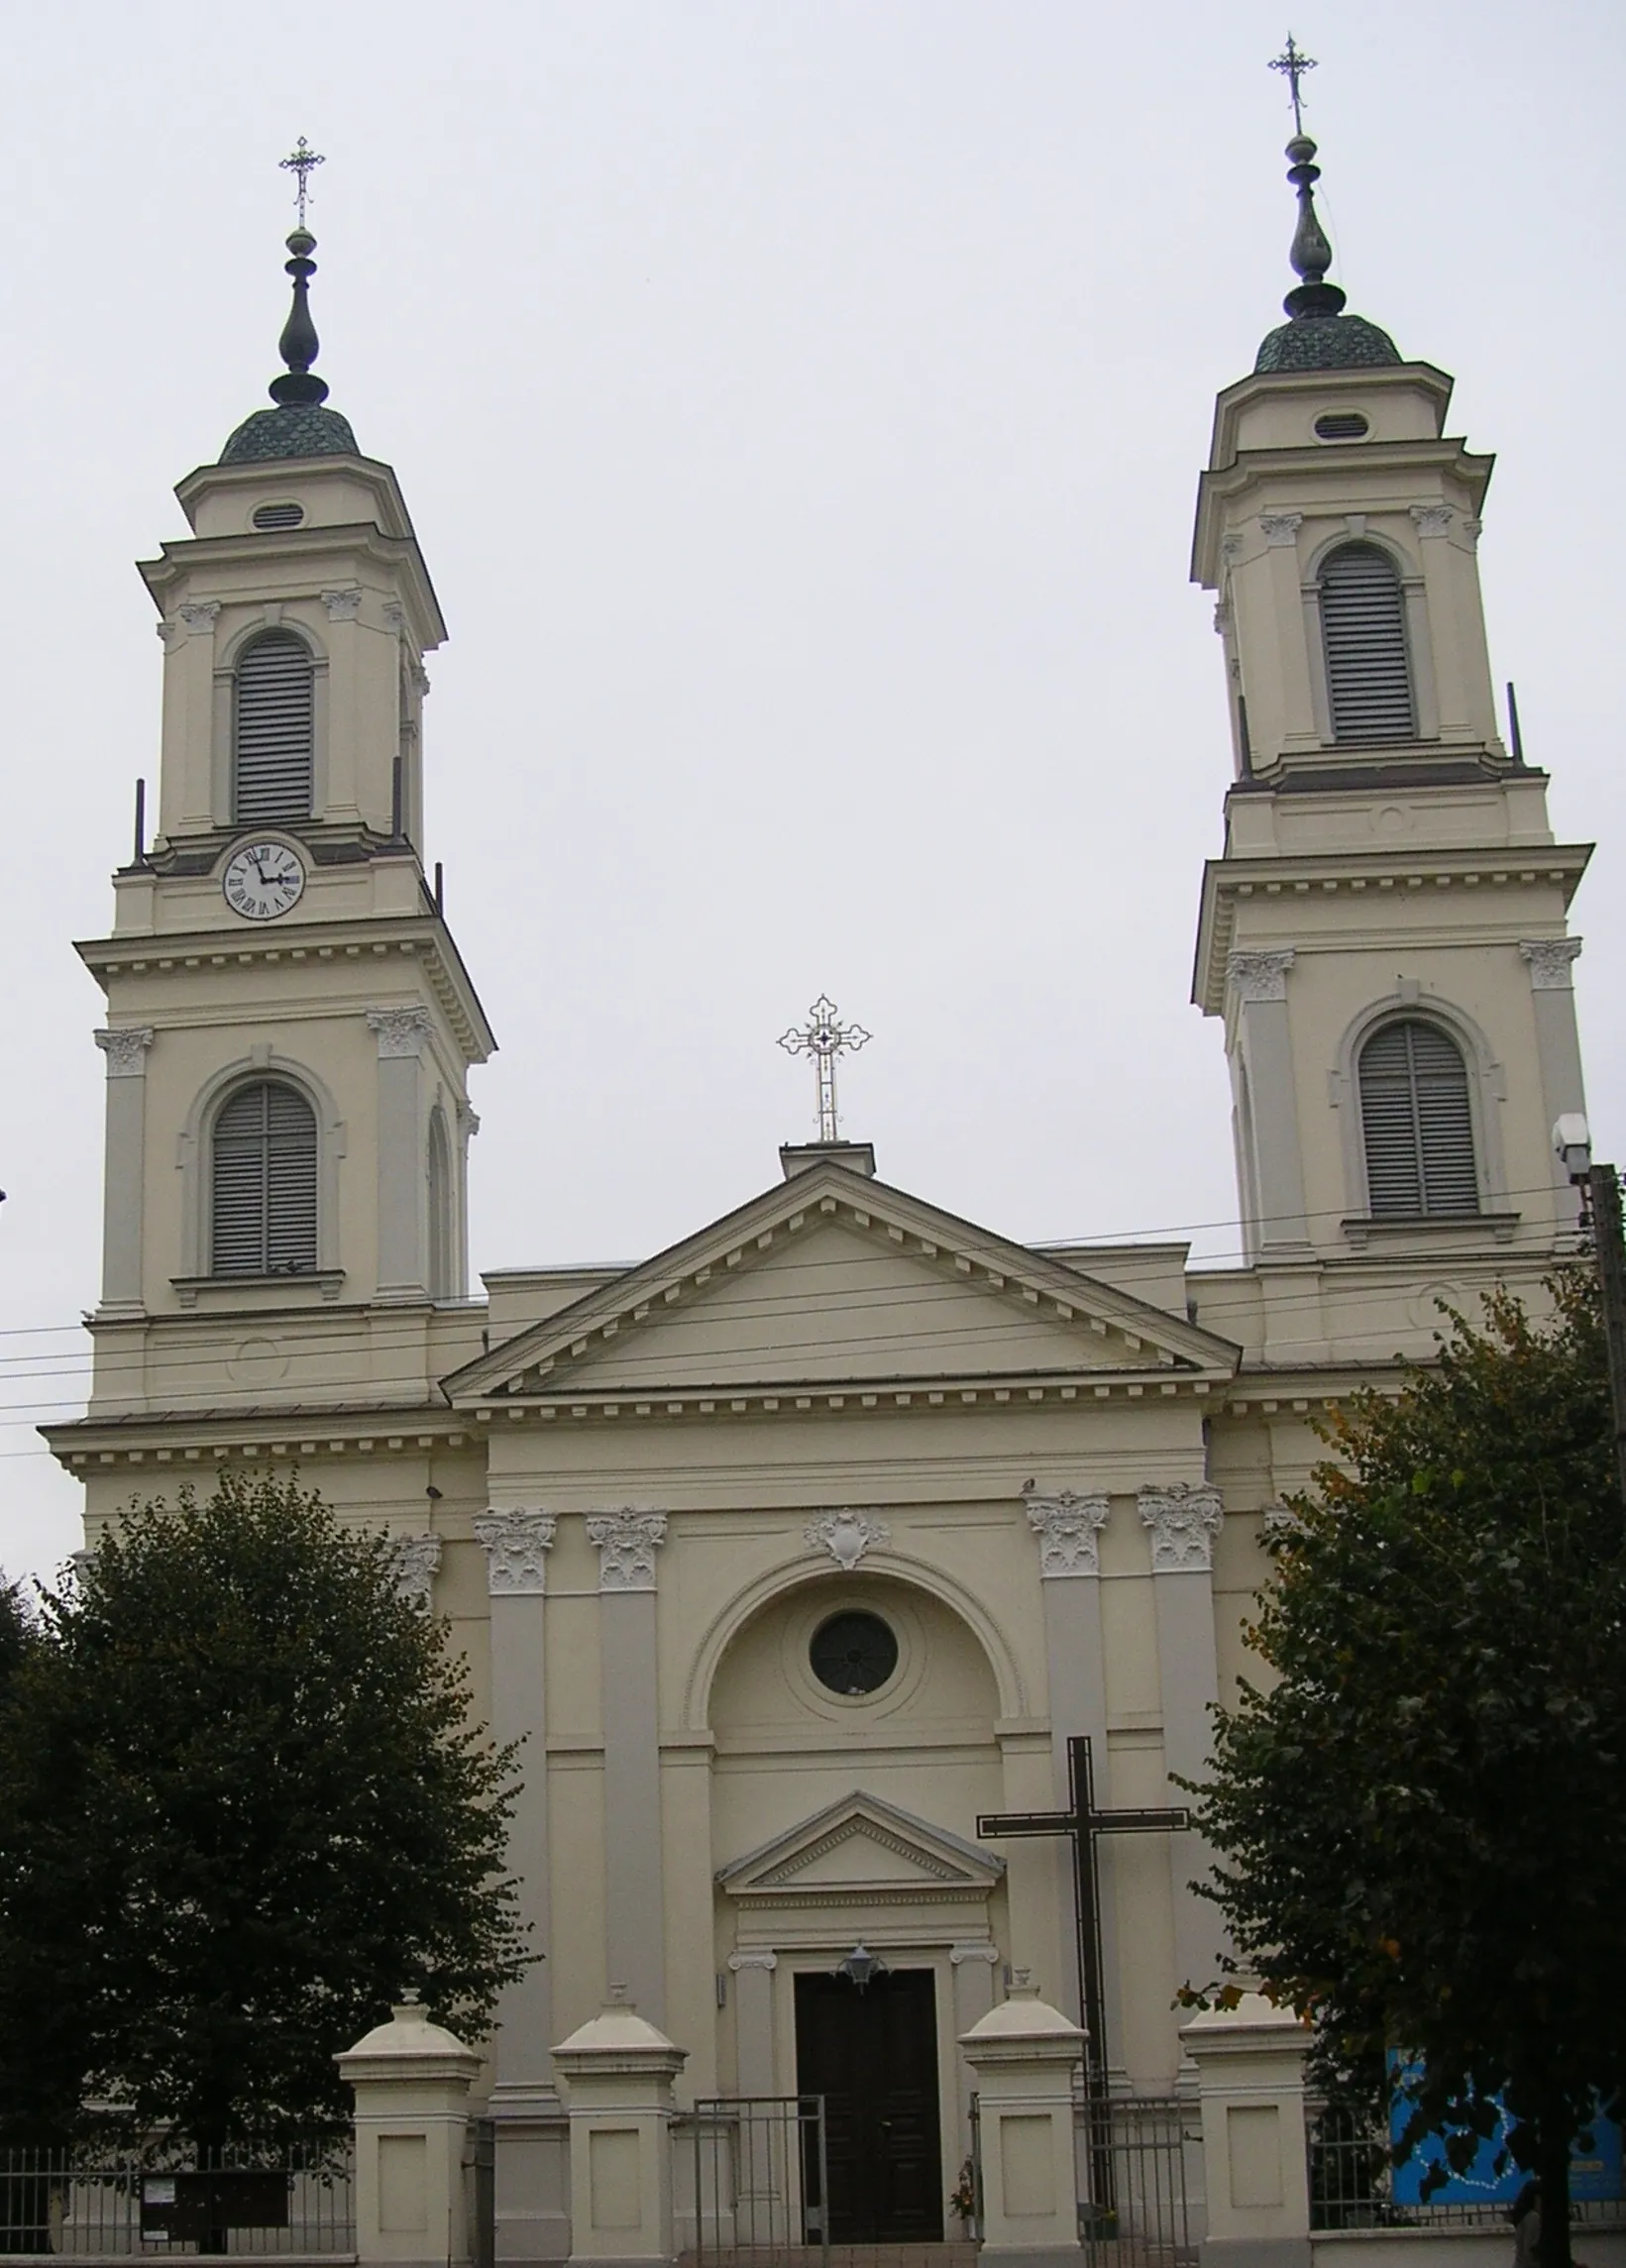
1385 933
290 1026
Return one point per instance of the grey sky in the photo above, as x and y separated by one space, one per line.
800 404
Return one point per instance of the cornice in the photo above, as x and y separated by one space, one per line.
367 937
1414 870
551 1362
1316 471
189 1439
188 559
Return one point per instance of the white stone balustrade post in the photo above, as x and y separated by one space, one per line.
411 2082
617 2073
1251 2083
1024 2054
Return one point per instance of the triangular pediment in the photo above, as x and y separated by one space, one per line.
830 1280
864 1847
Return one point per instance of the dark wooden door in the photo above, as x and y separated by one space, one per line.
873 2056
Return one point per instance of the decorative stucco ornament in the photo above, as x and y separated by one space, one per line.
626 1543
516 1544
846 1535
415 1561
1184 1519
1068 1527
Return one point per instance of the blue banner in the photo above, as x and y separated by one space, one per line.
1594 2170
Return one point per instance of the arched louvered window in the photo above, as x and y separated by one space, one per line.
442 1262
262 1200
1416 1123
273 729
1364 635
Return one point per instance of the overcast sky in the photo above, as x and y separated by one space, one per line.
800 404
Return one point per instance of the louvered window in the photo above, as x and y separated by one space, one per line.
273 729
264 1195
1416 1123
1364 633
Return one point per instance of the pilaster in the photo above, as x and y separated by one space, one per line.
1068 1525
123 1184
403 1035
1182 1521
533 2222
1270 1131
634 1948
1550 962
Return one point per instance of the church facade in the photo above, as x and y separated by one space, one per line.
799 1548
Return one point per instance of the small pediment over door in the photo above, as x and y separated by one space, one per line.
862 1852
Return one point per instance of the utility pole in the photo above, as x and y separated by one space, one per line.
1599 1190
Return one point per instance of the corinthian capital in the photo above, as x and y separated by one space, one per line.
126 1052
1184 1519
1260 976
516 1547
414 1560
401 1030
627 1542
1550 961
1068 1528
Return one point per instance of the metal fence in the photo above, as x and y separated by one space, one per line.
1351 2184
73 2203
1135 2205
761 2181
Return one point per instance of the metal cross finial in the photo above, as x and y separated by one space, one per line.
303 162
1294 63
824 1039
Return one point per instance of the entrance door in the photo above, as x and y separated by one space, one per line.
873 2056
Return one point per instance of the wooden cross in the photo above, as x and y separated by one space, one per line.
1082 1823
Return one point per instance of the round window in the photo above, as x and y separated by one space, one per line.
854 1654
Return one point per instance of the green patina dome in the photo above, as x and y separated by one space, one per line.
1325 343
292 429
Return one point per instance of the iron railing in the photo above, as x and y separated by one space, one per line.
1135 2204
761 2181
83 2204
1351 2184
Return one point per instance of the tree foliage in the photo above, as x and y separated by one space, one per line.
1422 1814
243 1805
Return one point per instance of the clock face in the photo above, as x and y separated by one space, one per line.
264 879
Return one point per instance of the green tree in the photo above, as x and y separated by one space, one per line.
1422 1816
243 1805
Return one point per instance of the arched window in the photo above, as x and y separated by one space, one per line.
263 1199
1416 1123
1364 635
442 1262
273 729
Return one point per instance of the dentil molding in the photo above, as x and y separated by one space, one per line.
1550 961
846 1535
126 1052
516 1547
1068 1527
1184 1519
401 1030
414 1560
1260 976
626 1543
